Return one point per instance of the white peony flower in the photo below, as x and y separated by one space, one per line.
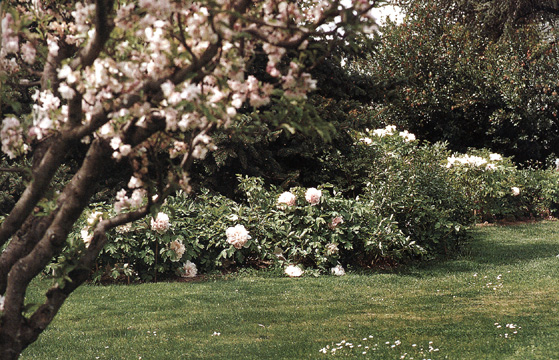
179 249
287 198
189 269
515 191
237 236
332 248
338 270
160 223
293 271
313 196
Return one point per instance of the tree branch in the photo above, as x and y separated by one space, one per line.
42 175
103 28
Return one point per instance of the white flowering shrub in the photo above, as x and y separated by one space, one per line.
211 232
418 200
406 180
500 190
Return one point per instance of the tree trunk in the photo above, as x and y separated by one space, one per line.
43 239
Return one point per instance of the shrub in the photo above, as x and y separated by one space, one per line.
501 191
417 199
410 184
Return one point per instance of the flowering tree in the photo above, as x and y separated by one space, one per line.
139 83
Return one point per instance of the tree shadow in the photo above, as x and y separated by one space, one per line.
497 246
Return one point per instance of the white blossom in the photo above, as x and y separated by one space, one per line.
312 195
160 223
287 198
189 269
237 236
293 271
338 270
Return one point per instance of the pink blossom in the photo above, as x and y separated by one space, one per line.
287 198
189 269
313 196
160 223
28 53
336 221
11 136
332 249
237 236
178 248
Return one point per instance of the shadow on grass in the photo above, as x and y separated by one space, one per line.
504 245
494 246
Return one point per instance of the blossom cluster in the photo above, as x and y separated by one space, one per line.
312 196
92 220
474 161
10 45
12 138
389 130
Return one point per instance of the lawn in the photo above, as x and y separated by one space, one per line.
497 300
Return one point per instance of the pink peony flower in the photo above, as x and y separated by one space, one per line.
313 196
179 249
189 269
287 198
237 236
332 248
336 221
160 223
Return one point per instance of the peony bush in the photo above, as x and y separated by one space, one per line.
417 200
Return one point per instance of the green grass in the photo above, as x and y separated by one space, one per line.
455 309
